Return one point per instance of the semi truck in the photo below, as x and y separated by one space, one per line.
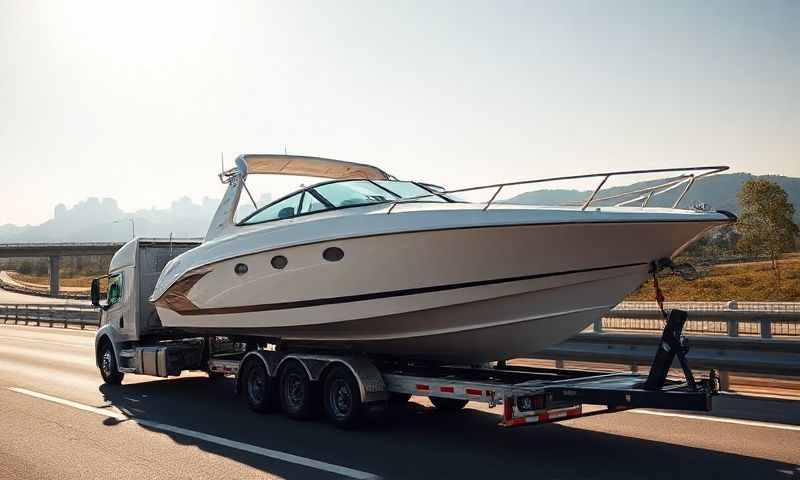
348 387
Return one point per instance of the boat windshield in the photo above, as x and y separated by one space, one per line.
355 192
340 194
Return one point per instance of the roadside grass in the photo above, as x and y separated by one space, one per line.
752 282
80 282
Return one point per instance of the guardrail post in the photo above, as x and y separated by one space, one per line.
38 314
598 325
634 368
766 328
733 328
65 317
16 314
559 363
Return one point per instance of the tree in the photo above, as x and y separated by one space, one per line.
766 223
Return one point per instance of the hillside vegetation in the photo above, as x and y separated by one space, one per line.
743 282
44 281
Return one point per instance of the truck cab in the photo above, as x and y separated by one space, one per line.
127 317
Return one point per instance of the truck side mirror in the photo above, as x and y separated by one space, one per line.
96 292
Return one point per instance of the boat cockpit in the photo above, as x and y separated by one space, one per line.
339 194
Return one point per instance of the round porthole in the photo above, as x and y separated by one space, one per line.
333 254
279 262
240 269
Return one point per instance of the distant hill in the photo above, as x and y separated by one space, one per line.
717 191
96 220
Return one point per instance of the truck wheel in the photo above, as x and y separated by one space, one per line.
108 364
257 387
342 398
448 404
297 393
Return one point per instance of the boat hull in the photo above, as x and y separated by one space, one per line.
458 294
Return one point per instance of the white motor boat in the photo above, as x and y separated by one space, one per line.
387 267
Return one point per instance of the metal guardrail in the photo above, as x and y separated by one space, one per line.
25 290
726 354
51 314
764 319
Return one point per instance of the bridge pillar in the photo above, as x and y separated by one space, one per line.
55 267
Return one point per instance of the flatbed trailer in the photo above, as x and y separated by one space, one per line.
349 386
528 396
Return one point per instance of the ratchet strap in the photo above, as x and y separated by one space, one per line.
659 294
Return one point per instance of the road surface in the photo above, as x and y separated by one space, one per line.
58 421
20 298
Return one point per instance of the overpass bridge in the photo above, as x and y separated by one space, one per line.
54 251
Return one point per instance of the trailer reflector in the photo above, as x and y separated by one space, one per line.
474 391
537 417
447 389
423 387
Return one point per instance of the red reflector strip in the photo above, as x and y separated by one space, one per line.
473 391
423 387
447 389
574 412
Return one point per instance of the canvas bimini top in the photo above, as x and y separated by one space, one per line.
305 166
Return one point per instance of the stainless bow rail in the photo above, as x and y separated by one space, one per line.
643 194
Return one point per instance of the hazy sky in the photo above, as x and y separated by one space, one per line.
136 100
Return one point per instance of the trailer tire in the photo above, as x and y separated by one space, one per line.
342 398
448 404
298 397
107 362
257 386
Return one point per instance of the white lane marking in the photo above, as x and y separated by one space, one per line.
264 452
749 423
69 403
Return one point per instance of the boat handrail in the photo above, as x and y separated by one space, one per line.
644 194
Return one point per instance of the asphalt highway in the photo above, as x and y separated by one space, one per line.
57 420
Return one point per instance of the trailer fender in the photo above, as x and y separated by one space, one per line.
267 358
370 382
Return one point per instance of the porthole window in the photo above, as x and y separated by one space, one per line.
279 262
240 269
333 254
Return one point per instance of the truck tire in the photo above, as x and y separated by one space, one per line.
448 404
257 386
342 398
298 399
108 364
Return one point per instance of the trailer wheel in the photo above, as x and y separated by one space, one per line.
342 398
108 364
257 387
297 394
448 404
